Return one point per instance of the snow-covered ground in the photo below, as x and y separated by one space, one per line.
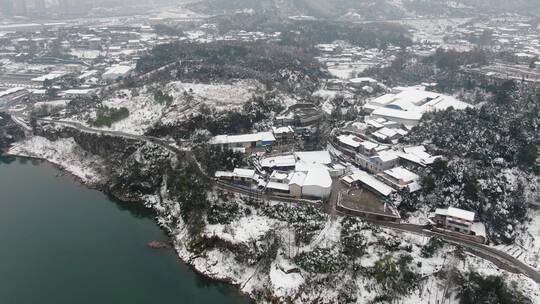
145 111
287 280
221 96
65 153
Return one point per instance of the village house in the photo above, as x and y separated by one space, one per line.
383 160
400 178
283 134
349 141
245 142
315 183
117 73
280 162
418 156
244 177
368 181
454 219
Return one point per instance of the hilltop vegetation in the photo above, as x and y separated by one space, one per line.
442 67
306 34
287 68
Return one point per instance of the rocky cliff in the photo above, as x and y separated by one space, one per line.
10 132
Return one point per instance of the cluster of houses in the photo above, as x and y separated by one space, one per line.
373 147
298 175
344 61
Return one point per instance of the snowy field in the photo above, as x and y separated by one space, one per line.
145 111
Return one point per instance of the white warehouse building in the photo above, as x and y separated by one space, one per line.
317 184
117 72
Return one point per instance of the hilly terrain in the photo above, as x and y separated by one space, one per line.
370 9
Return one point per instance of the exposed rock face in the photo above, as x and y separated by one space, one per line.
104 146
133 168
10 132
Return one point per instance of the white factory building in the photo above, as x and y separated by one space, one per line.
408 104
117 72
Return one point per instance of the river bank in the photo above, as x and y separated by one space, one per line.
29 191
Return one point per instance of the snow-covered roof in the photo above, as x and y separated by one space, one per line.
362 80
368 145
277 186
401 131
461 214
118 70
318 177
279 161
220 174
388 132
282 130
88 74
50 76
350 140
479 229
374 123
243 138
383 100
418 155
400 114
78 91
297 178
279 175
411 102
387 155
457 213
403 174
245 173
414 186
379 135
305 167
415 95
11 91
369 180
419 151
444 102
314 157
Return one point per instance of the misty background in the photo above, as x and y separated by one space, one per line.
331 9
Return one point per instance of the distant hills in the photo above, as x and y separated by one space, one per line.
371 9
76 8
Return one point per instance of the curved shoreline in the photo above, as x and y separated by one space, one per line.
131 204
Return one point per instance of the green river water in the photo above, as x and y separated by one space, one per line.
63 243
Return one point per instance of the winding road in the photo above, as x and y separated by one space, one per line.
499 258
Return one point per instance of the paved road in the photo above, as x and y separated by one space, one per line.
500 258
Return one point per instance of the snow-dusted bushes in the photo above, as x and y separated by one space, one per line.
474 288
482 146
225 212
353 240
305 219
320 260
394 277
